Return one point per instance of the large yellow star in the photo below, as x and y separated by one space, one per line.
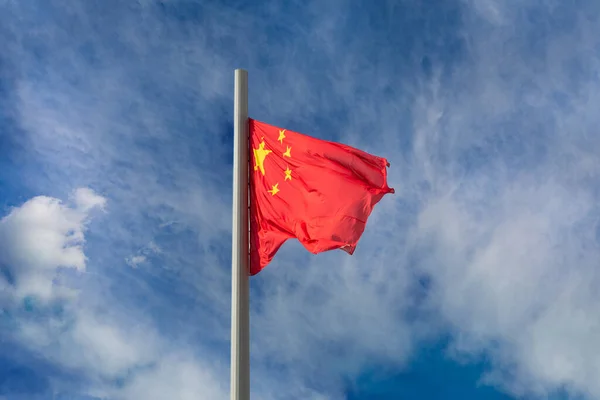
288 152
281 136
288 174
259 157
275 189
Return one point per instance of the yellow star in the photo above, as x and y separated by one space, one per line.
281 136
275 189
259 157
288 152
288 174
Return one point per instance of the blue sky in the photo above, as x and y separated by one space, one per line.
477 279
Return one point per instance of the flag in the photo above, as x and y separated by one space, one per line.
316 191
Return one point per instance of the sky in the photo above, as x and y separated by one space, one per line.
477 279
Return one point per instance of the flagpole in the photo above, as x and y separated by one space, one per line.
240 311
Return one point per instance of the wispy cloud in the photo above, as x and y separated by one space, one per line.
486 110
104 342
510 239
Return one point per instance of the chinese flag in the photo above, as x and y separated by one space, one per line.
317 191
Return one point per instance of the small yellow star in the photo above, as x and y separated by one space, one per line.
281 136
288 174
275 189
288 152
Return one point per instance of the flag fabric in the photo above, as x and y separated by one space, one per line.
316 191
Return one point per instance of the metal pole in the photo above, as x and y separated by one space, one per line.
240 311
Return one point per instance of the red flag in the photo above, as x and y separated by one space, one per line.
317 191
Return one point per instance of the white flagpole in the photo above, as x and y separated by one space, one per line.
240 311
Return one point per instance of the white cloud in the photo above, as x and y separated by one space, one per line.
511 254
98 344
517 281
103 341
135 261
142 255
86 199
510 243
110 344
177 376
330 318
42 235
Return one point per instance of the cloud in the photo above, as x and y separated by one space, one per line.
105 349
177 376
100 341
135 260
496 207
508 233
86 199
486 110
40 236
